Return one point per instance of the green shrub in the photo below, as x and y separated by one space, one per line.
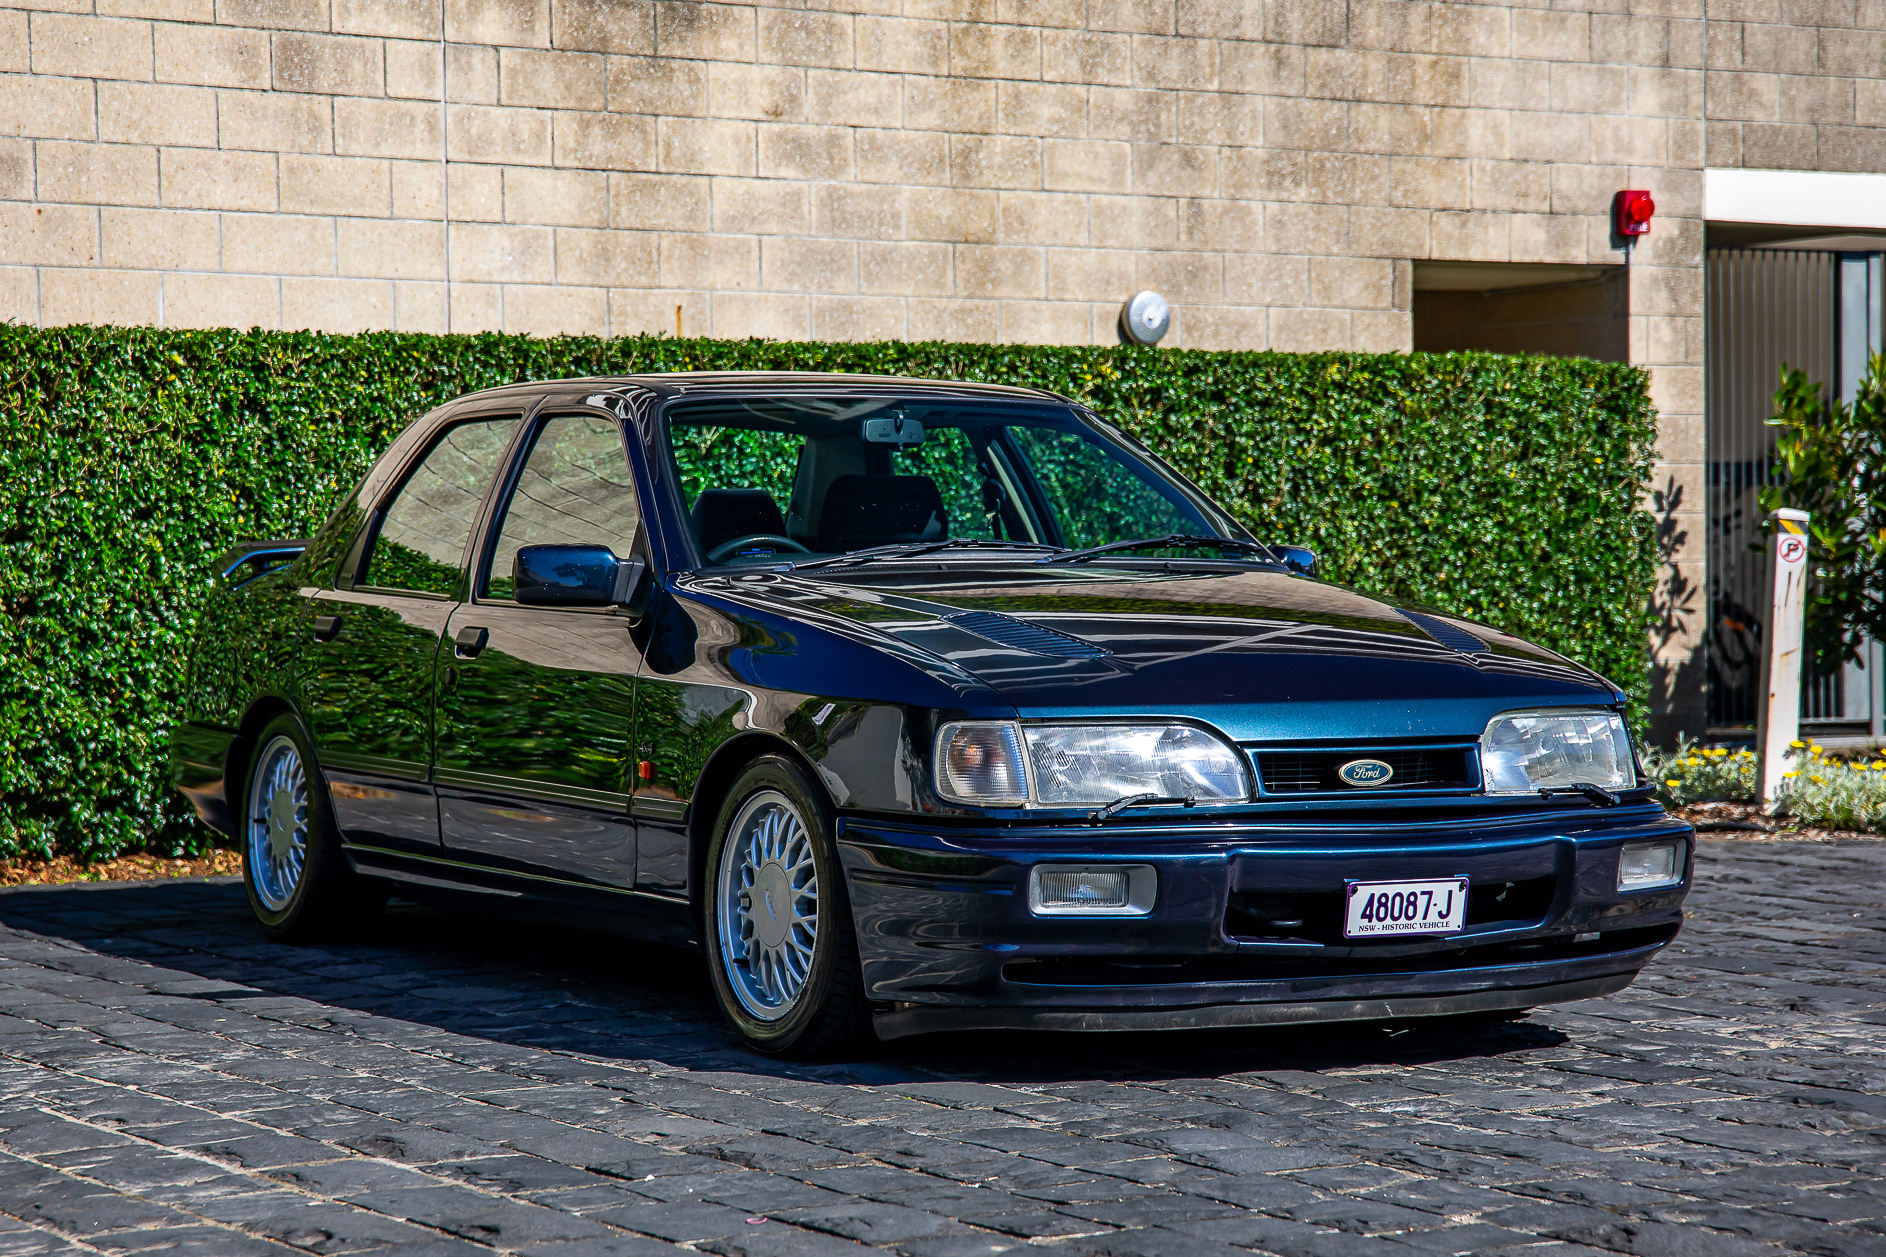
1831 793
1693 774
1504 489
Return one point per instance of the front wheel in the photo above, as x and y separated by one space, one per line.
298 881
784 956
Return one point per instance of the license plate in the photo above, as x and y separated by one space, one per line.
1428 907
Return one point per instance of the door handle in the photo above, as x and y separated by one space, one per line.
469 641
326 627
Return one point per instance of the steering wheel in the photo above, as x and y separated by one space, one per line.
726 549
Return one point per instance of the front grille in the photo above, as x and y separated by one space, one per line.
1417 768
1316 916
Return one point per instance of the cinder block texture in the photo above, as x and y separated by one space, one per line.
909 168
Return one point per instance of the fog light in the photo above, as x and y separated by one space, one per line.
1092 890
1647 865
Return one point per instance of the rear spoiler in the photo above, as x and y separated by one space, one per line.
243 563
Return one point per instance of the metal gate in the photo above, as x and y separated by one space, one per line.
1765 308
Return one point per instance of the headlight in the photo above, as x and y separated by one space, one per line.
998 763
1523 752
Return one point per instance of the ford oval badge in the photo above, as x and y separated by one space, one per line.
1365 772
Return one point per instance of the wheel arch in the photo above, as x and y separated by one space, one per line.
242 748
710 795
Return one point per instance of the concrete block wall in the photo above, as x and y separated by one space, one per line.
963 169
1797 84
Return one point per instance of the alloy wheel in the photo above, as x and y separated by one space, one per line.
278 823
767 889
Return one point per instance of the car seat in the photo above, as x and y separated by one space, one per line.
865 511
720 515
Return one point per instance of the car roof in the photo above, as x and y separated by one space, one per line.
667 384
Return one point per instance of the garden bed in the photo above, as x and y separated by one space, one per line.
1745 820
128 868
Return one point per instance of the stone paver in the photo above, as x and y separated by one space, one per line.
169 1081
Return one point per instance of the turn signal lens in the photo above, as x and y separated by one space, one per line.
981 764
1648 865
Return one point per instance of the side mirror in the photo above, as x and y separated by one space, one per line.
1299 559
578 576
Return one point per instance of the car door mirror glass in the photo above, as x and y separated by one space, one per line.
1299 559
571 576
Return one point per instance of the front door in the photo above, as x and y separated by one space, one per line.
368 690
536 712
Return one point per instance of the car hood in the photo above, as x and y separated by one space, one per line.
1263 655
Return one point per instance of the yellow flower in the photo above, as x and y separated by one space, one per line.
1791 774
1816 750
1817 781
1673 782
1693 762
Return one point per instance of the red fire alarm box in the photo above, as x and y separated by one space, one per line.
1631 211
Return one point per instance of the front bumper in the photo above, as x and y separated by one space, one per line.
948 941
199 758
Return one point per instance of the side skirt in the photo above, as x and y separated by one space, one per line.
459 886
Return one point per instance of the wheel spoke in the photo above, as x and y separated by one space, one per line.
766 892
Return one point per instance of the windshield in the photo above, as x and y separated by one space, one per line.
804 477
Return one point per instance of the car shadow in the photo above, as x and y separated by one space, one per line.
595 995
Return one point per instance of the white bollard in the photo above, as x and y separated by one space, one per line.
1780 722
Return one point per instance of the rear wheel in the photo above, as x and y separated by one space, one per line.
784 957
299 884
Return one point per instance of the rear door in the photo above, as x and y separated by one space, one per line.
368 688
534 763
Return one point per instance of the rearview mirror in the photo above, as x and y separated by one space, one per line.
1299 559
896 430
578 576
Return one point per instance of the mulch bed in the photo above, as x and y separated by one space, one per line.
128 868
1745 820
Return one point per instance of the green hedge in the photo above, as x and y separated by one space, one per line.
1501 488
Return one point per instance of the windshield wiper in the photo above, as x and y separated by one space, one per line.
913 549
1590 790
1173 540
1114 808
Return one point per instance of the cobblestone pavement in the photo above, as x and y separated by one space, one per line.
169 1081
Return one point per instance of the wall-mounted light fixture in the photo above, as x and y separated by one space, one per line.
1144 318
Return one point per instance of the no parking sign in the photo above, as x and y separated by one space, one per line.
1781 662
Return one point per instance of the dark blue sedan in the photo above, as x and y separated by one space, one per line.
918 706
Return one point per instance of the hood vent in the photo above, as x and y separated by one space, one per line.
1022 635
1444 633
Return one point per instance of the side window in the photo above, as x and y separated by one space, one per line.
948 457
574 489
1096 496
421 546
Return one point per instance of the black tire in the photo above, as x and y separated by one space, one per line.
323 897
826 1016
